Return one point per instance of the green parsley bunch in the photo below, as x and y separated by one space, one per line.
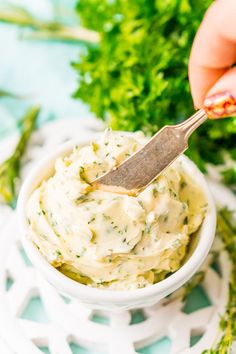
136 77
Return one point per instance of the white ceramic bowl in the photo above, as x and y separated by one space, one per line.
110 299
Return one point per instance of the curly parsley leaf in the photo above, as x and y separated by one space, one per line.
137 77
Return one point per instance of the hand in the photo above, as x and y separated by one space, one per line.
211 72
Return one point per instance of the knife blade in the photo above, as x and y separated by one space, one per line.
139 170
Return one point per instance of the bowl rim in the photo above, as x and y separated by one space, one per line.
76 289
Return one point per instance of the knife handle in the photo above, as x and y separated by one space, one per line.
187 127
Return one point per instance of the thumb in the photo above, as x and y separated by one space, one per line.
220 100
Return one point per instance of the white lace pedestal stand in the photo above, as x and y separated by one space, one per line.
72 322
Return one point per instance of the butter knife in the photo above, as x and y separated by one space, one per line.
139 170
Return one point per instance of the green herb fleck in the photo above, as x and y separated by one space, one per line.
185 220
82 174
82 198
166 218
92 220
155 192
106 217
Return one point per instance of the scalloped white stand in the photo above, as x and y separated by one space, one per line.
71 321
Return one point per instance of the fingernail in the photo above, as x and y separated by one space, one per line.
220 105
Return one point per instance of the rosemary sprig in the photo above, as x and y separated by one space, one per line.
10 169
4 93
226 230
43 29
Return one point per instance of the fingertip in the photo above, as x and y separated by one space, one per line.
220 100
201 80
213 50
220 105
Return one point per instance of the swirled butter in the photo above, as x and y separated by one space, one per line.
111 240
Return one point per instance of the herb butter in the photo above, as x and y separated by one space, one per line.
111 240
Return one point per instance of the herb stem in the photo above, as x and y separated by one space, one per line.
10 169
50 30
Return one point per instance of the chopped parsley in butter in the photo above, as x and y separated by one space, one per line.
111 240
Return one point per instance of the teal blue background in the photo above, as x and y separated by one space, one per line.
41 72
38 70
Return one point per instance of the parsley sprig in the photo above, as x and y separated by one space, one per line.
137 78
226 230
